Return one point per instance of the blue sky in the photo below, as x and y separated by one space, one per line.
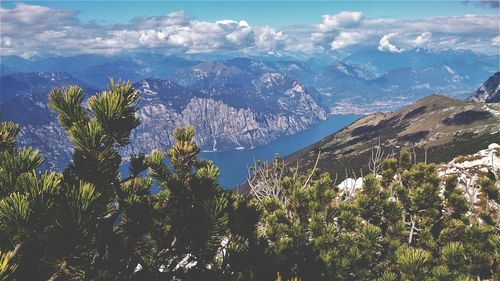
273 13
48 28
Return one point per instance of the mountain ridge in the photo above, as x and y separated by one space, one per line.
489 91
436 127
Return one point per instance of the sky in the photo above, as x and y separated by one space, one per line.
60 28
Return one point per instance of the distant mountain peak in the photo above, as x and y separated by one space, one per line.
36 83
41 74
488 92
271 79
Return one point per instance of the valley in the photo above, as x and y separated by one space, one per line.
234 103
250 140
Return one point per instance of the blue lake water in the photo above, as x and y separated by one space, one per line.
233 164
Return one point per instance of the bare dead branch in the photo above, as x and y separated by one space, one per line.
376 158
313 170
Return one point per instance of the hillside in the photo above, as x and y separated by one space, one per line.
443 126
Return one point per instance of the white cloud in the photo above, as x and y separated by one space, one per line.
385 45
332 25
495 41
28 55
341 20
174 18
176 32
422 39
345 39
6 42
270 40
430 33
49 31
34 14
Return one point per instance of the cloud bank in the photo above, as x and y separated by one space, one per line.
31 30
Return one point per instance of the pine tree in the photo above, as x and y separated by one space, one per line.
94 222
201 231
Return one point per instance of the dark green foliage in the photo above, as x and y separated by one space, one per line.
92 223
413 263
196 222
8 133
409 225
489 189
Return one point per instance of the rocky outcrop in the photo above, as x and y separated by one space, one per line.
485 162
469 169
273 105
51 140
489 91
223 126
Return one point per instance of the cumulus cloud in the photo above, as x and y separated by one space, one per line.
433 33
6 42
345 39
351 28
177 32
193 37
422 39
53 30
270 40
385 45
332 25
340 21
48 31
24 14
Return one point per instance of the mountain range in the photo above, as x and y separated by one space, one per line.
362 77
253 112
234 103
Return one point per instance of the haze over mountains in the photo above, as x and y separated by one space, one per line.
234 103
362 76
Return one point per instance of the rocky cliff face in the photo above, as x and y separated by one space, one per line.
489 91
225 115
281 106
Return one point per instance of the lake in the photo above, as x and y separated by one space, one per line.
233 164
